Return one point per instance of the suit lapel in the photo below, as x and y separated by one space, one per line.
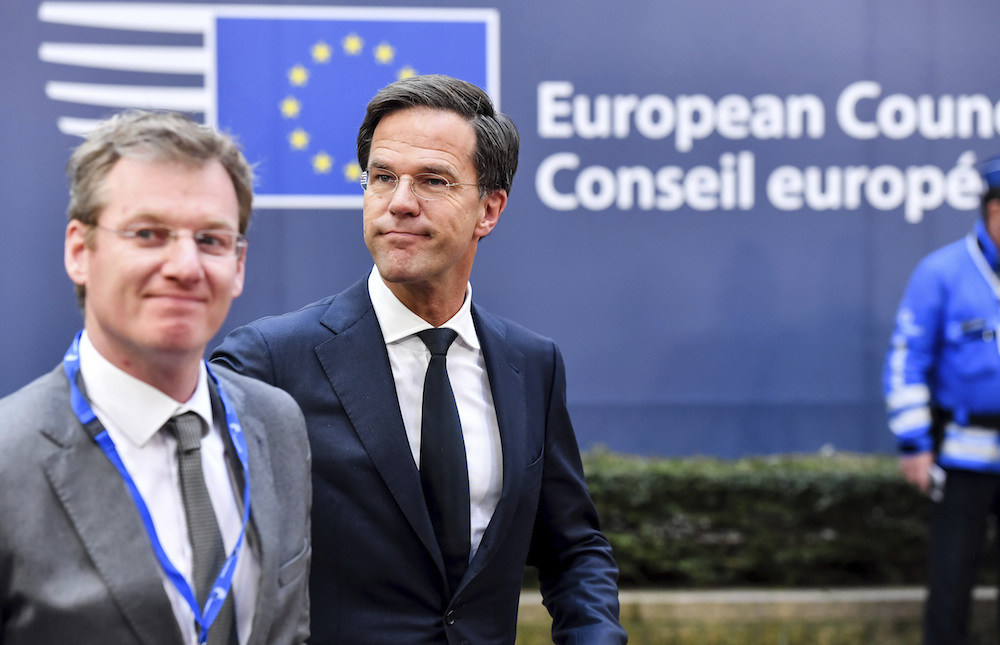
263 510
505 367
105 519
357 365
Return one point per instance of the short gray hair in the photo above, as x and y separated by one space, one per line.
159 136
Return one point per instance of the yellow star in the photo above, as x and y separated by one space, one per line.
322 163
352 171
406 72
298 139
384 53
290 107
321 52
298 76
353 44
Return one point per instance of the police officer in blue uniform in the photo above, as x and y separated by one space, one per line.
942 390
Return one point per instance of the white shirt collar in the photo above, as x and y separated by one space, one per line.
138 409
398 322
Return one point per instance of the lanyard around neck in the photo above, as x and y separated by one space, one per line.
223 583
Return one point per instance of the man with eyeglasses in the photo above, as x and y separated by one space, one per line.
444 457
139 488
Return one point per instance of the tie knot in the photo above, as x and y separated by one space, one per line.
188 429
438 340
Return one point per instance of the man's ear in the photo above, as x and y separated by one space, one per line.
493 206
241 272
76 251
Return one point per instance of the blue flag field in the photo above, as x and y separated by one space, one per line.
295 91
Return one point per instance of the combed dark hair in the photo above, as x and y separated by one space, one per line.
154 136
497 141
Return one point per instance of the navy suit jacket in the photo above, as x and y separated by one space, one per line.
377 573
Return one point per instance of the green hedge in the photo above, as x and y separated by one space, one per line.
791 521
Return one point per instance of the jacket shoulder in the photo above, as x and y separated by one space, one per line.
513 334
257 393
332 312
36 398
31 419
302 317
948 259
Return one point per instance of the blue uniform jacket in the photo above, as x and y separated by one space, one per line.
944 354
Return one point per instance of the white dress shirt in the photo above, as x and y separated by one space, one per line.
409 357
133 412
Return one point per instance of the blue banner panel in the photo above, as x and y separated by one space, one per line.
296 90
716 210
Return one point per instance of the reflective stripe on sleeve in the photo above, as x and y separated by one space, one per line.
910 420
908 396
971 444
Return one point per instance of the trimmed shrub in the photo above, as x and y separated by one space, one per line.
789 520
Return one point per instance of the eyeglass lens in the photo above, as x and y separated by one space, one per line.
425 185
209 241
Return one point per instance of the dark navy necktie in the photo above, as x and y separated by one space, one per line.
444 472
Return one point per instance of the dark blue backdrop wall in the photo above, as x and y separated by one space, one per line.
717 207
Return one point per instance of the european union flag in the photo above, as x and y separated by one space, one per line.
294 91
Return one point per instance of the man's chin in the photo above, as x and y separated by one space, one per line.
180 340
401 269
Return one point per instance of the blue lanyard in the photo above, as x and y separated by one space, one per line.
224 582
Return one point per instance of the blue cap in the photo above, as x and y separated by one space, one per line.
990 171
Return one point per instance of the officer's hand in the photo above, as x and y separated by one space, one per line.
916 468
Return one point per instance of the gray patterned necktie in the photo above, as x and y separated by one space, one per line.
209 552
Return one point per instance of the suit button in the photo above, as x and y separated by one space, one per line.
449 618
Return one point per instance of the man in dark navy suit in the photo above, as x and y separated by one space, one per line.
420 536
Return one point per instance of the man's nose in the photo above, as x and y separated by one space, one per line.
404 201
184 260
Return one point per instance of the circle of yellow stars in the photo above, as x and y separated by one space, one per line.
321 53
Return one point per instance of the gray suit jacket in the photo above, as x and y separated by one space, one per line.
76 565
